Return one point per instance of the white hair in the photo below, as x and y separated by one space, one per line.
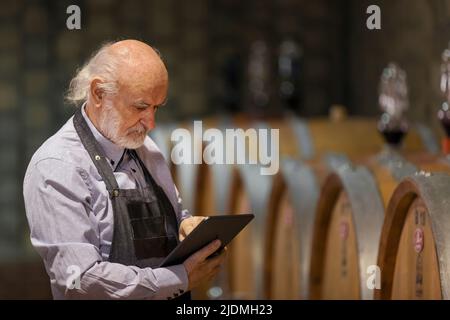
101 64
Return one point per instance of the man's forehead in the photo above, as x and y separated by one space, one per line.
148 94
144 78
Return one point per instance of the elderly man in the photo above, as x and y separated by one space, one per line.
101 204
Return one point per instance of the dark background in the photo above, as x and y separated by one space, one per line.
206 47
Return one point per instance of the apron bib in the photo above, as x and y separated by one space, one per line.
145 223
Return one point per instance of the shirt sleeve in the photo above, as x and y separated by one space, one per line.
65 234
183 213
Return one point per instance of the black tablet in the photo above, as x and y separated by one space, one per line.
224 228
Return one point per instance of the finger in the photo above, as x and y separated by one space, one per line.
189 225
206 251
215 261
188 229
197 221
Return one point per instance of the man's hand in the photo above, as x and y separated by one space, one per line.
199 268
189 224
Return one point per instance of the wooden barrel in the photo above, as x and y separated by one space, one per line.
214 179
249 194
384 171
205 189
293 199
292 202
317 136
388 167
211 198
312 140
346 232
289 242
414 253
430 162
187 176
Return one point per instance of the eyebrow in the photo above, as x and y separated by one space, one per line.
143 104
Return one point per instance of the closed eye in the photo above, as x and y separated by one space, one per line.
141 106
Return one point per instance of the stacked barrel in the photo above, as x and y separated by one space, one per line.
275 256
351 213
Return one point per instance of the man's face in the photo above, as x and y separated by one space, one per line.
129 115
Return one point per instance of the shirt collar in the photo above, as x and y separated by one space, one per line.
113 152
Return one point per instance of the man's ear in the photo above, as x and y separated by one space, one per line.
96 92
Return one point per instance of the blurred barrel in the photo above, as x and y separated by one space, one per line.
211 198
249 194
414 253
288 247
430 162
306 139
346 232
352 136
389 167
213 181
187 176
312 138
342 257
294 194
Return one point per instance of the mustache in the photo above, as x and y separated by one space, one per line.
139 128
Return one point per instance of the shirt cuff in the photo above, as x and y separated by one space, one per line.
184 215
175 280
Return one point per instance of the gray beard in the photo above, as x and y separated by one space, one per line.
109 123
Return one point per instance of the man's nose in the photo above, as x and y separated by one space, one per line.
148 119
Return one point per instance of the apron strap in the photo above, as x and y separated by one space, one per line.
96 153
133 154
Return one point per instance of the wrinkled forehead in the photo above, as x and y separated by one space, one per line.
146 79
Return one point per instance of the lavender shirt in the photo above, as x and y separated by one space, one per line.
71 218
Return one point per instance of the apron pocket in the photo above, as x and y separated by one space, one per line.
141 210
146 228
158 247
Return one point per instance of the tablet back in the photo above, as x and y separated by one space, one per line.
224 228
